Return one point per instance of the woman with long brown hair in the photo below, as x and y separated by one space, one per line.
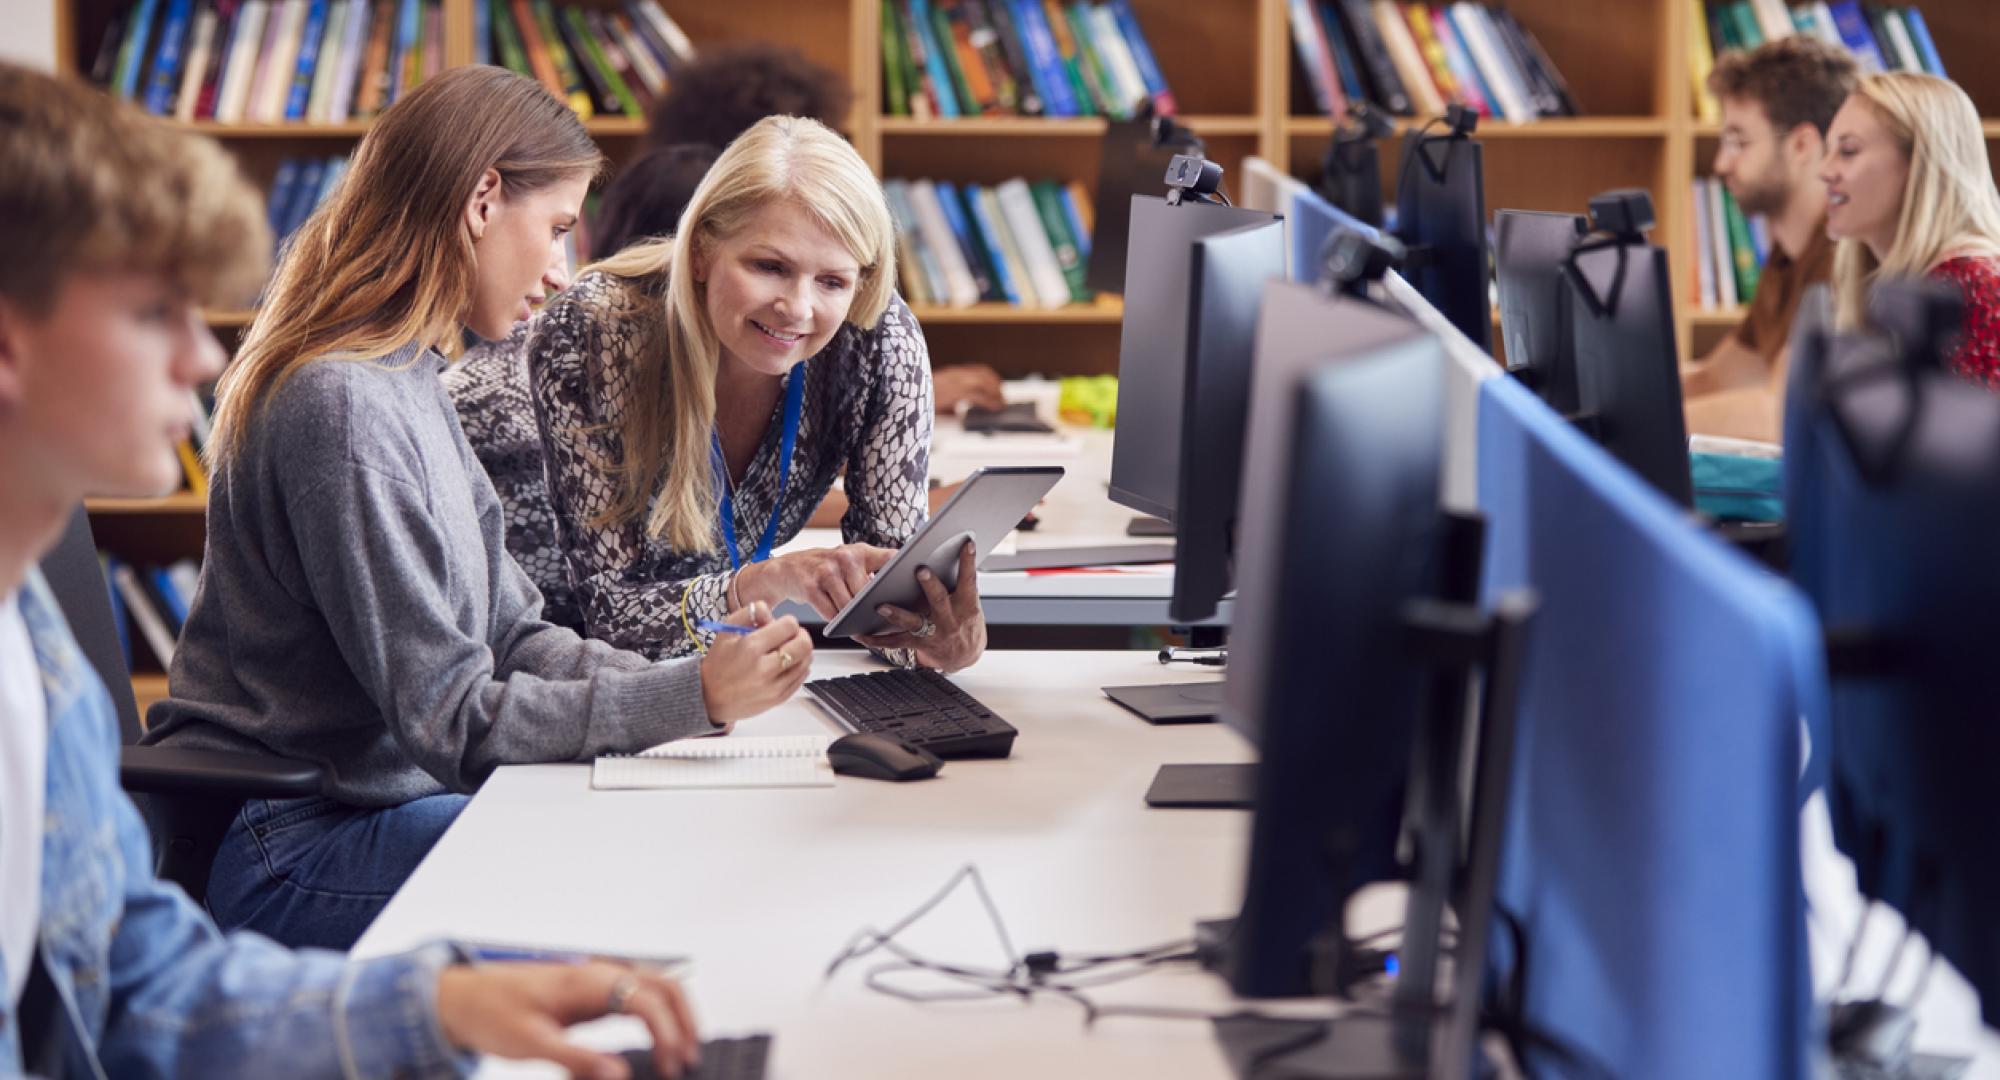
357 607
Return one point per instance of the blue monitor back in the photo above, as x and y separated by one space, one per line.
1908 558
1652 854
1313 219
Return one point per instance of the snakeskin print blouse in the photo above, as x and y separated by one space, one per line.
543 410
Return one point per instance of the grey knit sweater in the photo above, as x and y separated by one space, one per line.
358 608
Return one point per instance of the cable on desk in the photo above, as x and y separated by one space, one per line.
1042 972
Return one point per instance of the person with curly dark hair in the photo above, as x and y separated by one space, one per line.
727 89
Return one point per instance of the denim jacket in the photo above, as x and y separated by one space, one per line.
148 985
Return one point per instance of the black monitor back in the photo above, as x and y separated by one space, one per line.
1337 695
1441 216
1229 274
1890 473
1531 247
1627 365
1153 345
1129 163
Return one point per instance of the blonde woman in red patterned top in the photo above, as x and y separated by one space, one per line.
1910 192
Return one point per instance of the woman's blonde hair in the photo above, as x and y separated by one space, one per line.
1950 207
388 259
669 420
89 183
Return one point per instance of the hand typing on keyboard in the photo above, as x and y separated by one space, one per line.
951 635
519 1010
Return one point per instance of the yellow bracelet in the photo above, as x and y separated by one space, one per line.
688 624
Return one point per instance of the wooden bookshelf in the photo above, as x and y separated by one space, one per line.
1233 72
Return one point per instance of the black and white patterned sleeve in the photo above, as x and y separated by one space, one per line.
580 364
888 470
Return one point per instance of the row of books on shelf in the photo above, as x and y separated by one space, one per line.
1016 242
270 61
301 184
330 61
1882 37
1730 248
1414 59
953 58
149 605
603 61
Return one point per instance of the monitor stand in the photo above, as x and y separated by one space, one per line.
1171 703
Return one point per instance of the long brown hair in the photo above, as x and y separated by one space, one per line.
667 424
388 259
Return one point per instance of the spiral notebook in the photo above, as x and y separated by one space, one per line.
731 761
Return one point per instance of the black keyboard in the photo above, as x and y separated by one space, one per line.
721 1059
918 706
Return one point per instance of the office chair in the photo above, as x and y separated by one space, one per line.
188 796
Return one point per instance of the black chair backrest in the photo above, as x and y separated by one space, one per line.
77 579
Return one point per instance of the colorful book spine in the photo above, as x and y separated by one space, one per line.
1311 48
1048 203
1076 203
645 62
163 79
1478 93
937 68
326 68
1142 56
1852 24
201 45
311 37
670 32
989 241
538 52
277 67
627 101
1072 56
340 103
971 244
1704 257
1743 253
132 54
1102 83
1013 49
1044 59
1920 36
573 79
371 90
895 95
234 89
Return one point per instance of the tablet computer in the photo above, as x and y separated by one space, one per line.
984 510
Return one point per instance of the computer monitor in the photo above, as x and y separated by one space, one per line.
1361 727
1441 218
1299 328
1227 284
1628 385
1531 248
1340 531
1153 346
1312 220
1891 462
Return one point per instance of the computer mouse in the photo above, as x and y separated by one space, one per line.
1872 1032
880 757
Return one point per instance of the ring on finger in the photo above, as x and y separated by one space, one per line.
784 659
621 993
924 631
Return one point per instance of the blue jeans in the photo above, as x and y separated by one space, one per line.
315 872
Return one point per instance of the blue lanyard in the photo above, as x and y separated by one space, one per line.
795 396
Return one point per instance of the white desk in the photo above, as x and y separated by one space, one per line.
763 888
